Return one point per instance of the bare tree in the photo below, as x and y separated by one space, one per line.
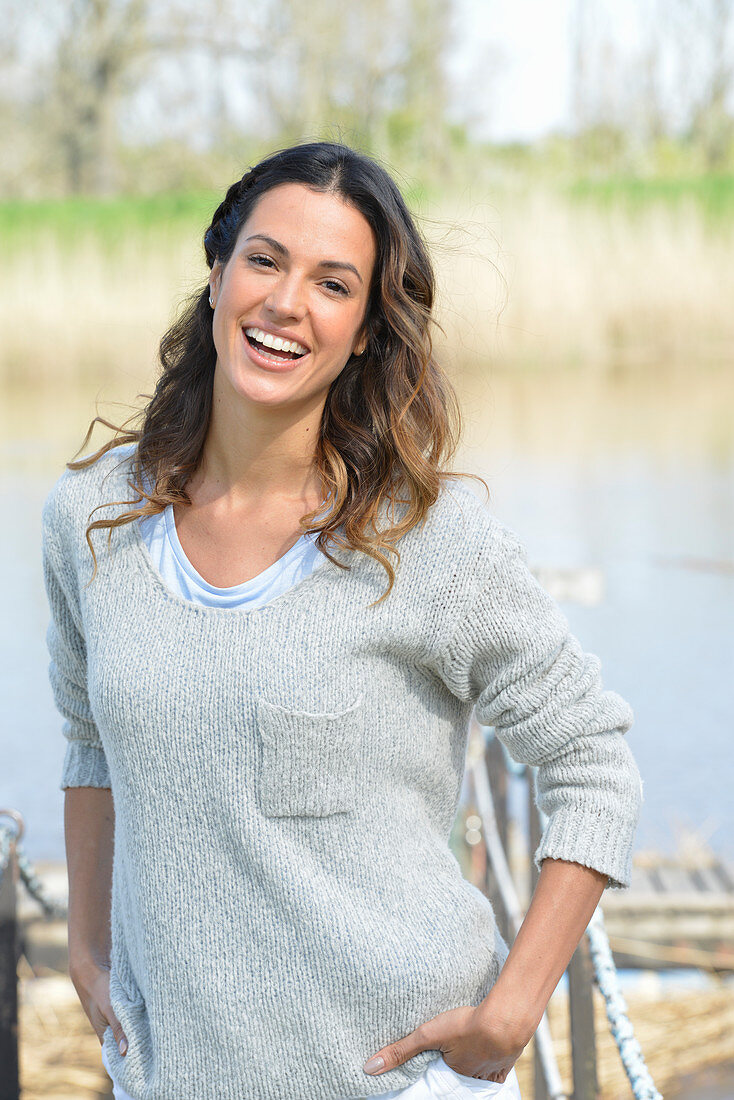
101 51
676 78
424 76
371 71
350 68
709 27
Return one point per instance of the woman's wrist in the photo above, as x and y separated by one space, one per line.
564 900
523 989
84 962
517 1018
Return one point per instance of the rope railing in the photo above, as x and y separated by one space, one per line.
52 908
6 837
605 970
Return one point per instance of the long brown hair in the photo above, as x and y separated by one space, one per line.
391 419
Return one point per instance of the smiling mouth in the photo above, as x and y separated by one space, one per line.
274 353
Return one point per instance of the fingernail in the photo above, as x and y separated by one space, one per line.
373 1064
123 1045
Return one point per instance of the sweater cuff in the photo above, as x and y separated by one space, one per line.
85 765
584 836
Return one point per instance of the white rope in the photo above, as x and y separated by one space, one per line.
607 979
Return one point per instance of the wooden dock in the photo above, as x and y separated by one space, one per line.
677 912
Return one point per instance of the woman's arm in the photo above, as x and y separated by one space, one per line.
565 897
512 653
89 824
485 1041
89 815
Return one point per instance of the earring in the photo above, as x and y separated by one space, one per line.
211 303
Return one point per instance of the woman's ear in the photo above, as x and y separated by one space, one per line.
214 281
361 344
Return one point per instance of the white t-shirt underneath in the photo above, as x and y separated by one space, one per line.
161 538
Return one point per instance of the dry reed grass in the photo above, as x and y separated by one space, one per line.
680 1034
587 286
60 1055
543 282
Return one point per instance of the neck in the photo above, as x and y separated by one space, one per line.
253 452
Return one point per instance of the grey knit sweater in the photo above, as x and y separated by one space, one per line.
284 899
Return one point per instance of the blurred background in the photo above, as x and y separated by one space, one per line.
571 163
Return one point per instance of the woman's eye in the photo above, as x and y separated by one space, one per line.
332 284
261 261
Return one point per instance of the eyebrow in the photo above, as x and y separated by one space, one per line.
339 265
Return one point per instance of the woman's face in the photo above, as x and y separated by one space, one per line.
291 301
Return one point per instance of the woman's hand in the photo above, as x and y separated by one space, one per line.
92 983
472 1041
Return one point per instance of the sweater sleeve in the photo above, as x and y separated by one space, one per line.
84 764
513 655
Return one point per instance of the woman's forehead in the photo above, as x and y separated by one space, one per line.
311 221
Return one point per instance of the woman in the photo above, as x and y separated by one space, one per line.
283 735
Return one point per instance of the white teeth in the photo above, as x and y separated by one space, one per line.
272 356
275 342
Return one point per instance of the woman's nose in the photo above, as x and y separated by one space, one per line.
287 298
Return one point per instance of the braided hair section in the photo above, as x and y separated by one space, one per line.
224 223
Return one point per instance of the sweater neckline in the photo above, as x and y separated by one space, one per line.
295 551
316 577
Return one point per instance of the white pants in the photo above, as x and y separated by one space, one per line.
438 1082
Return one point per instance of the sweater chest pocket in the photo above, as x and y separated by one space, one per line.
308 761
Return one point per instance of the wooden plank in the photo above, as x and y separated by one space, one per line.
497 779
640 882
693 900
497 773
706 880
535 831
725 875
540 1090
655 879
672 955
693 923
675 880
583 1035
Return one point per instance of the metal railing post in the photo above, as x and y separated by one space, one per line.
540 1090
510 904
497 777
9 875
583 1032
